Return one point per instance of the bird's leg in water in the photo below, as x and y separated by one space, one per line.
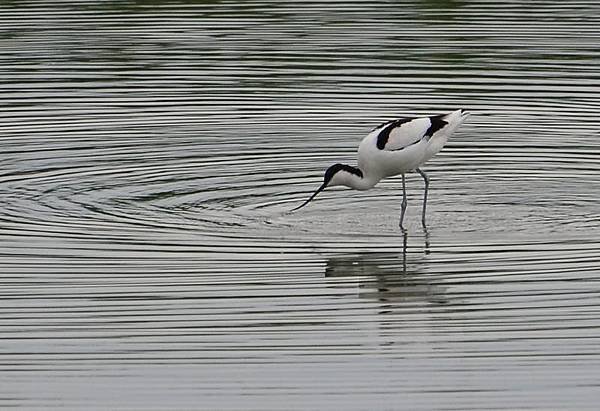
426 179
404 202
427 244
404 241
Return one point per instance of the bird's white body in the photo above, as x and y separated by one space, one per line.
395 148
407 148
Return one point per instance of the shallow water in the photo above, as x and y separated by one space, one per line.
151 152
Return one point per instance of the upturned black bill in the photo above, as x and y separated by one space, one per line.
311 197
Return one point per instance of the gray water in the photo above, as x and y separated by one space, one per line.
150 152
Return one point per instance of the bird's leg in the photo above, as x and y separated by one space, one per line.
404 203
405 235
425 195
427 244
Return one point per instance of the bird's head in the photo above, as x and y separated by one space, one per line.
336 175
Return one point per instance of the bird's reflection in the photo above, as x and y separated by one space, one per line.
426 237
389 277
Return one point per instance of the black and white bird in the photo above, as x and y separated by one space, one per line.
396 147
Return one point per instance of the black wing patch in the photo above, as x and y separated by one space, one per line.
436 124
384 134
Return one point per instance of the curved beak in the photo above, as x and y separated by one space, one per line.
311 197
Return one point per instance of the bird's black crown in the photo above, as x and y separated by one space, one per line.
337 167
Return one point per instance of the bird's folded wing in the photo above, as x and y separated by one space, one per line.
399 134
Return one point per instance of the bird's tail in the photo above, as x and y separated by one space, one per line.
457 115
455 119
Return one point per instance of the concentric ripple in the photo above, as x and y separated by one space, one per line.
152 152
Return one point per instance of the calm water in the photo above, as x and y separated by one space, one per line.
151 150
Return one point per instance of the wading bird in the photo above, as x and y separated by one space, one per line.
395 147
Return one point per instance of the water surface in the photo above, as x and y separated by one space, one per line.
151 152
